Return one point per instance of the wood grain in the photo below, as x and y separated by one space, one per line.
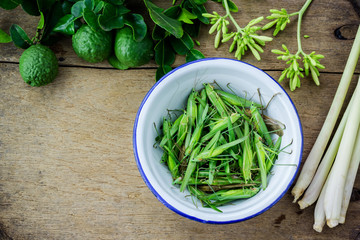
67 169
320 22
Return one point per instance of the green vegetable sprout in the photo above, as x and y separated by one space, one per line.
243 39
219 147
311 62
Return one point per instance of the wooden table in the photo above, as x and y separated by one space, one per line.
67 169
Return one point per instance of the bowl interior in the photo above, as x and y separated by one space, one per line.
172 91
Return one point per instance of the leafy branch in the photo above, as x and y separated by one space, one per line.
103 15
4 37
175 31
50 11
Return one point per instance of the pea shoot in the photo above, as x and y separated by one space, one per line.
219 147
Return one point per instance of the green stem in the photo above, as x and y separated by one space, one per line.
301 13
311 163
337 177
313 191
293 14
228 14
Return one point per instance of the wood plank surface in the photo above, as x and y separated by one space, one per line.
67 169
320 22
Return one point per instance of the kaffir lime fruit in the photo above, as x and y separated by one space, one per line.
38 65
92 46
131 53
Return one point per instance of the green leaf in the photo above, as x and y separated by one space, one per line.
186 16
108 11
121 10
31 7
9 4
194 54
111 23
164 55
161 71
110 19
41 21
182 45
4 37
77 9
99 6
66 6
199 10
232 6
192 29
52 17
116 2
89 4
66 25
173 11
91 19
44 5
19 37
138 25
158 33
113 17
116 63
171 25
199 2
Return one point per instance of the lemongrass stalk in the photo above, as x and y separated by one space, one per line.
314 189
353 168
335 189
319 212
312 161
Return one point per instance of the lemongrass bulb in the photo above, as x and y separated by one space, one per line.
308 171
353 168
314 189
335 189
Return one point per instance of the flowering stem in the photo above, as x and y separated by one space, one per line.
301 13
228 14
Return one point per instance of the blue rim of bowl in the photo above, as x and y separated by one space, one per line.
157 195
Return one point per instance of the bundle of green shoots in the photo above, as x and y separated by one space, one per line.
220 147
328 176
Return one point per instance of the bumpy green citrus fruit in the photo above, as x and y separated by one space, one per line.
129 52
38 65
92 46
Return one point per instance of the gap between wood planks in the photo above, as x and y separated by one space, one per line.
153 68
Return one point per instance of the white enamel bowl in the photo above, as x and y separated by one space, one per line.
171 92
